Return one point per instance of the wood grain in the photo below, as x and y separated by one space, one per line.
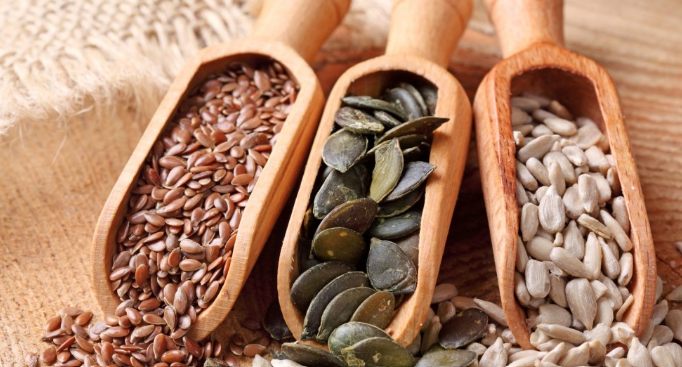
55 178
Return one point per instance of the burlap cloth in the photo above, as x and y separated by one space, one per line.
61 57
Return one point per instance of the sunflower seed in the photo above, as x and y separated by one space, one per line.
581 301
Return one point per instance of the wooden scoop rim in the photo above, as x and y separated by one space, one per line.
450 146
293 140
490 115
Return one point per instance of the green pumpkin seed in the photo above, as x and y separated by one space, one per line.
351 333
313 316
412 154
436 356
414 174
464 328
363 176
417 97
376 352
386 119
410 245
374 104
343 149
313 280
423 126
430 95
357 215
357 121
395 227
337 189
309 223
401 205
402 98
376 310
387 170
274 323
311 356
406 142
340 310
339 244
390 269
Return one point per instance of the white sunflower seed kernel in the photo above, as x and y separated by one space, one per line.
577 356
492 310
569 263
556 178
614 227
626 264
593 257
595 226
557 292
581 301
552 214
537 148
638 355
529 221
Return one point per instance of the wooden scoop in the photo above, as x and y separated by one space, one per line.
421 39
289 32
531 35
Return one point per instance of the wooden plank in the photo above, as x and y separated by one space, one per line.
55 179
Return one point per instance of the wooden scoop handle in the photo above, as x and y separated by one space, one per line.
429 29
303 25
519 24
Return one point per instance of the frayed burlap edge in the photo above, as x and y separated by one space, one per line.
59 58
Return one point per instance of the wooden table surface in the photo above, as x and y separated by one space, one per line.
54 179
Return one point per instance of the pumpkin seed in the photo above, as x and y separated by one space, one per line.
337 189
430 95
417 97
405 141
343 149
396 227
339 244
414 174
376 310
423 126
310 356
357 121
437 356
398 206
356 215
463 329
387 171
412 154
309 223
374 104
376 352
313 280
386 119
410 245
363 176
313 316
340 310
404 100
351 333
390 269
274 323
